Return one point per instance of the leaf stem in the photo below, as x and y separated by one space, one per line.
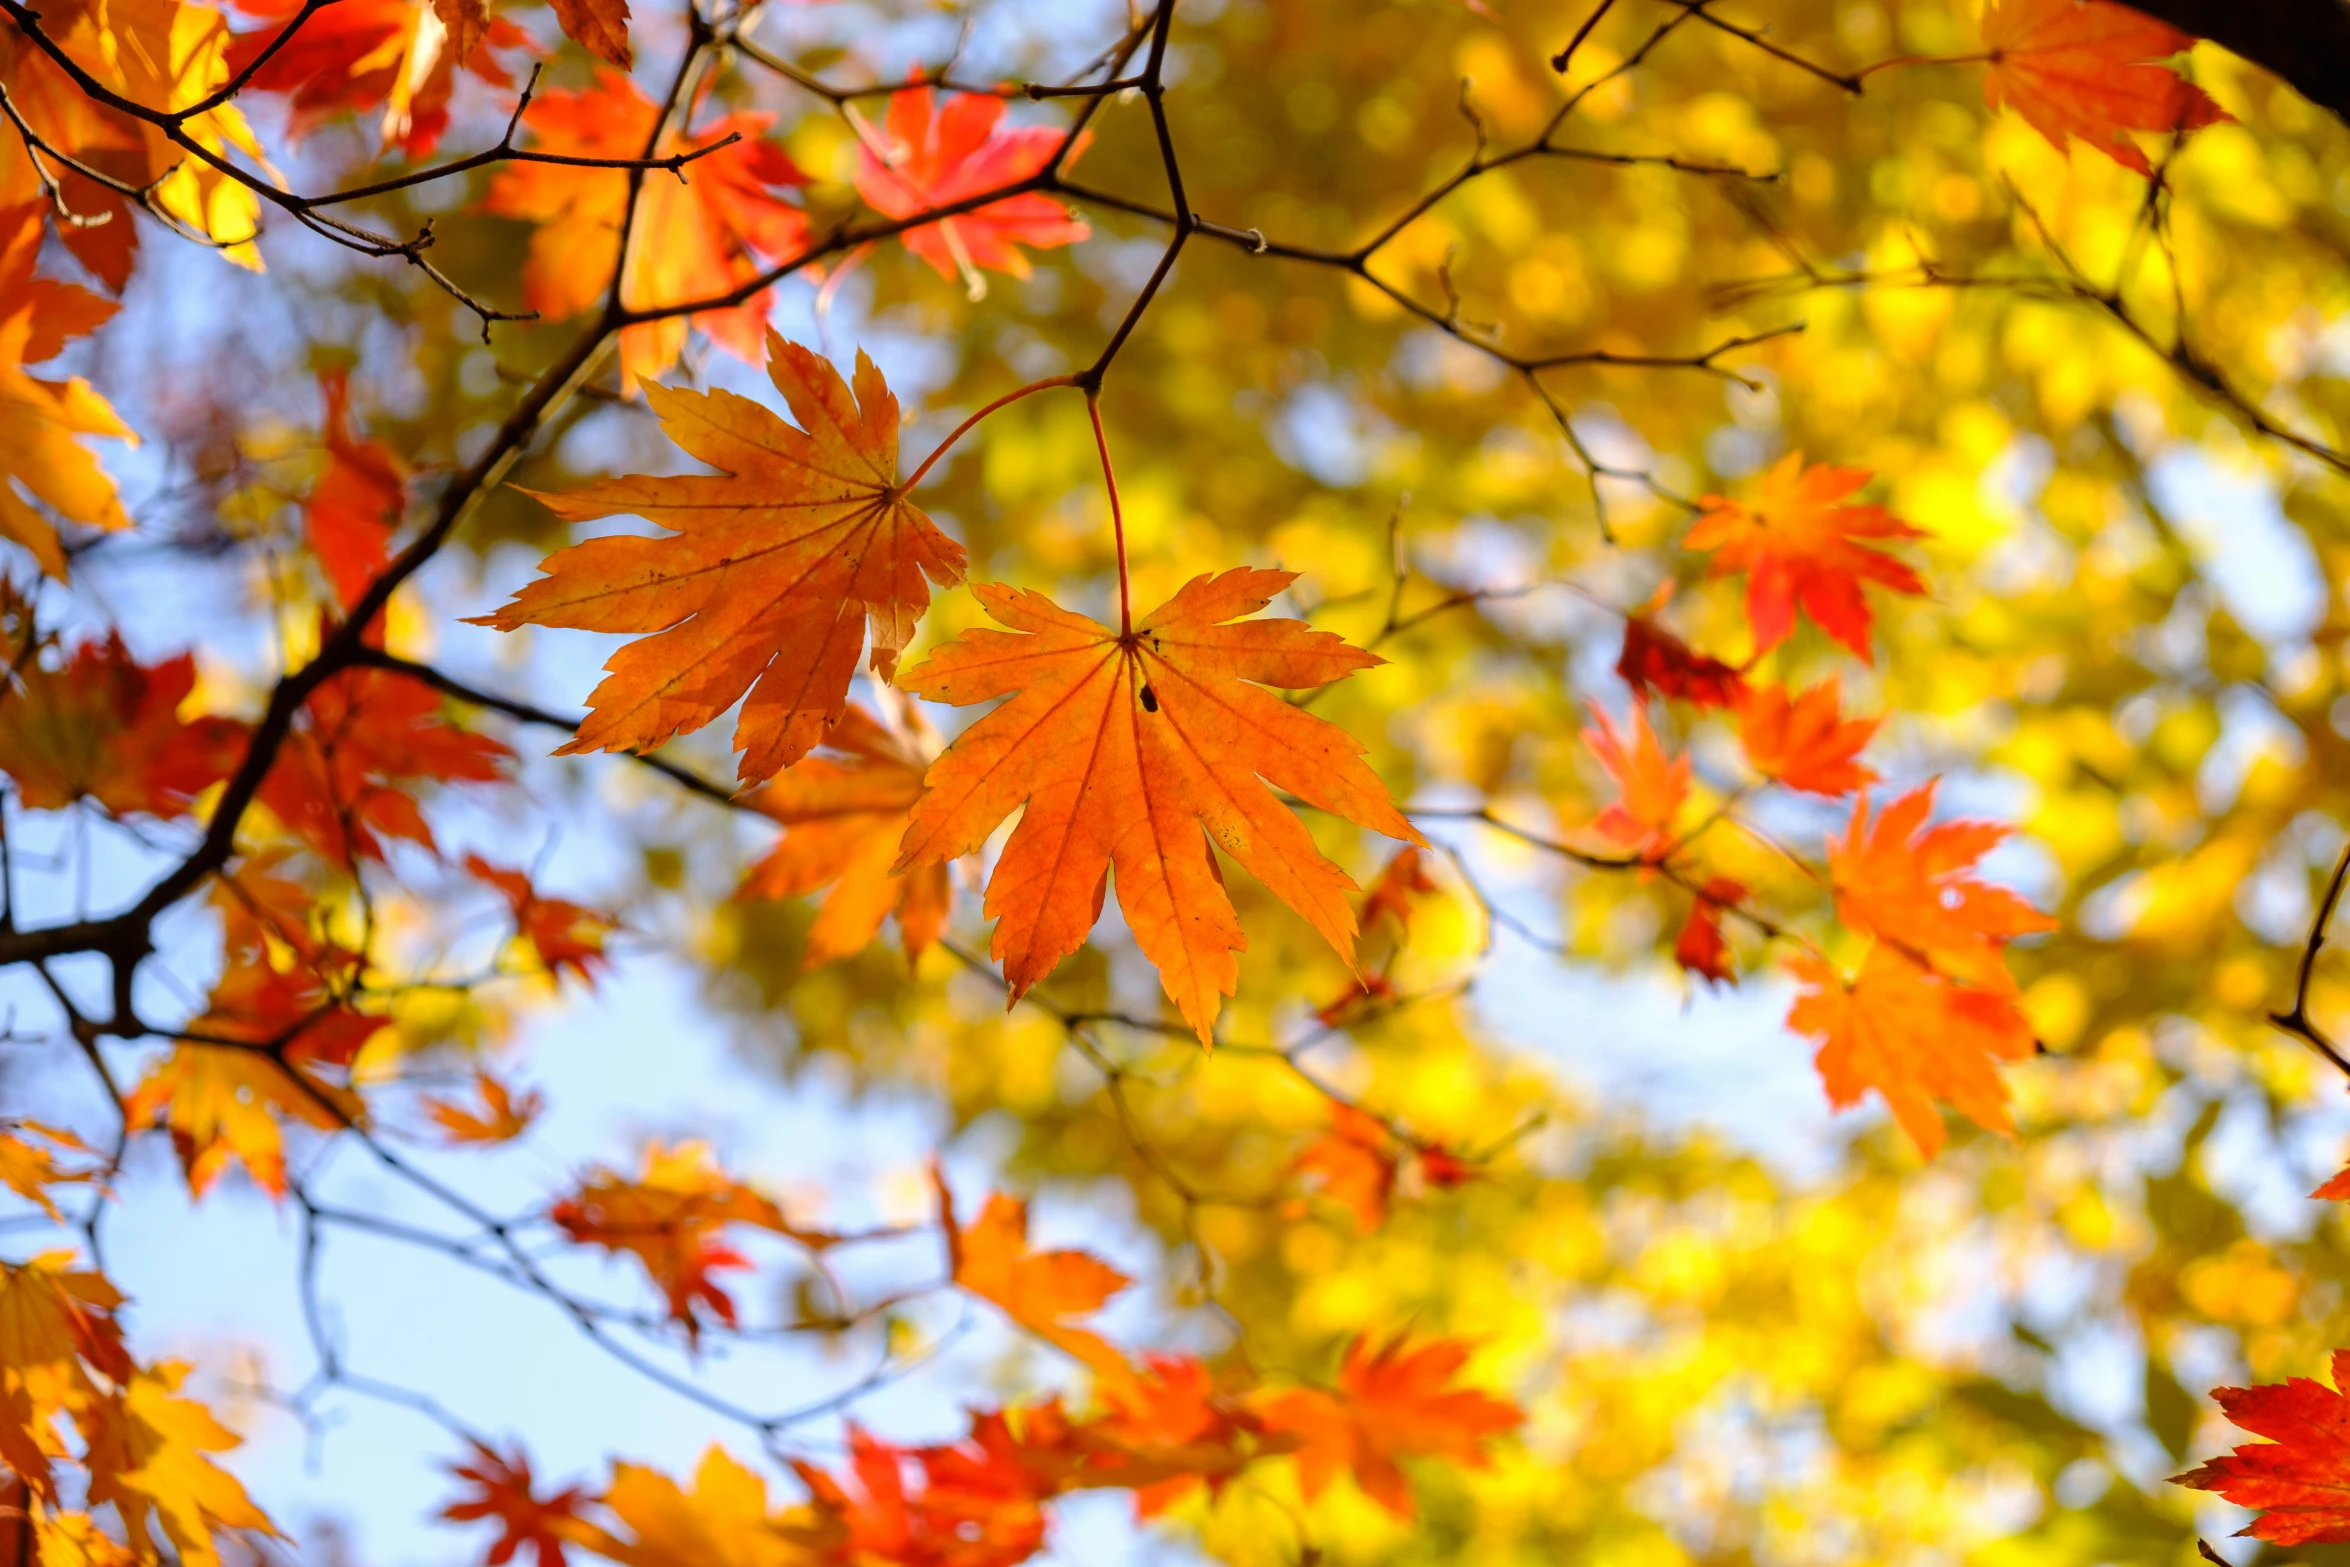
1101 442
967 425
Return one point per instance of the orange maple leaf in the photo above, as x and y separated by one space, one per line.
1124 747
1913 1036
365 739
29 1170
960 152
669 1218
777 565
1803 740
39 419
102 726
1171 1429
1652 787
1359 1162
566 936
505 1492
224 1106
1912 885
362 54
700 236
723 1521
357 500
842 824
2298 1480
281 1010
1701 947
1653 659
2088 68
1798 543
973 1504
1400 883
502 1118
1040 1290
1390 1403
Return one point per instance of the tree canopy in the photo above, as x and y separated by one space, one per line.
843 782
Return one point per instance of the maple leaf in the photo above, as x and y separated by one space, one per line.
40 456
226 1106
75 1540
1651 786
358 498
503 1117
56 1317
1913 1036
1358 998
1040 1290
1391 1402
362 742
102 726
169 57
1799 544
1912 885
1803 740
1403 880
1653 659
1123 749
975 1504
777 565
2299 1479
716 225
147 1457
928 159
842 825
2087 68
1360 1161
1701 948
669 1218
1354 1164
505 1491
401 55
280 1010
30 1170
723 1521
566 936
1170 1430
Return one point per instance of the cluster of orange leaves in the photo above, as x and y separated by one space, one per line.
1932 1006
1164 1427
1139 751
71 1394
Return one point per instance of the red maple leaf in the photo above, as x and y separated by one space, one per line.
1654 659
2299 1480
925 160
504 1491
1701 948
360 54
365 740
565 935
2087 68
102 726
1799 542
357 500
